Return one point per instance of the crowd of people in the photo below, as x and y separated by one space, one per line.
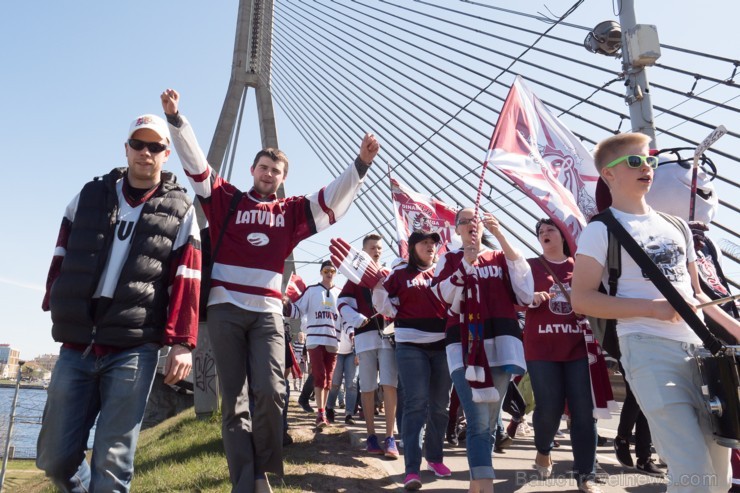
124 281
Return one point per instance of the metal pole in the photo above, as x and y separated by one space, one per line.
638 89
10 424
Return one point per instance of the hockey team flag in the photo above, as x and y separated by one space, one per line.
416 212
545 160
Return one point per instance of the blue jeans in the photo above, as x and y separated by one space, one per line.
345 367
481 421
426 383
114 388
554 382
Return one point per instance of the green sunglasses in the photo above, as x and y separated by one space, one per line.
635 161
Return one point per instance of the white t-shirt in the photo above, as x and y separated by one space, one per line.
668 247
345 344
126 220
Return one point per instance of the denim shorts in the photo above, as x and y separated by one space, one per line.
378 362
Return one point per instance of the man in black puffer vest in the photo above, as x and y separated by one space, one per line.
123 282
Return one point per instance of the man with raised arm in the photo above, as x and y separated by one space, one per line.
245 302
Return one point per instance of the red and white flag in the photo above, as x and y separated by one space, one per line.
356 265
416 212
546 161
295 287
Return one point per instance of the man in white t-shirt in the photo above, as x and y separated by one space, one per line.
657 345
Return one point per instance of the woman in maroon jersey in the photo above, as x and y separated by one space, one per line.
420 353
555 350
481 286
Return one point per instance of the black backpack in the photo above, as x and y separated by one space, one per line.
605 330
210 257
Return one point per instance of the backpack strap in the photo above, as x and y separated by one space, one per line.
606 329
680 225
613 263
209 256
614 250
613 256
232 207
659 280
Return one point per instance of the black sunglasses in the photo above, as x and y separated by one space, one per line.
153 147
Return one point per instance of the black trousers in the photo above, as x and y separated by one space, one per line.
632 417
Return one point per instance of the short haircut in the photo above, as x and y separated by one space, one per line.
275 154
371 237
611 148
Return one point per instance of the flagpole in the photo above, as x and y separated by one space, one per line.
718 301
480 187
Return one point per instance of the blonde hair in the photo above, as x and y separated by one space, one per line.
611 148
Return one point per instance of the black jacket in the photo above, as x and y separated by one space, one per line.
138 311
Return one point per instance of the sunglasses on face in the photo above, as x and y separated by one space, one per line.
635 161
153 147
328 271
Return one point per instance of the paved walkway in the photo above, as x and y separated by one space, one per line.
514 467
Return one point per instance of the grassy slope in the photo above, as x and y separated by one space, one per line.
181 454
184 454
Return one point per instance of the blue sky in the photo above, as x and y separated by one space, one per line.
76 73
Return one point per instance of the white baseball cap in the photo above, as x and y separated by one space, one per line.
152 122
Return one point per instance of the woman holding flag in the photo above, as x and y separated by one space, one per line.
557 360
420 354
481 287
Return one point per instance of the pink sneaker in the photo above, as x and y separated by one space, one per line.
412 482
440 470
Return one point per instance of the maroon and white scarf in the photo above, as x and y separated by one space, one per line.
477 370
601 387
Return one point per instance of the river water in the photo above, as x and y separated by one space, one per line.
27 424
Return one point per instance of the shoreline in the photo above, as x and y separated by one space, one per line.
11 385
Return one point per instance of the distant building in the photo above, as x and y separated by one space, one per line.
46 361
8 361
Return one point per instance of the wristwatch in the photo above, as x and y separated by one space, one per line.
186 345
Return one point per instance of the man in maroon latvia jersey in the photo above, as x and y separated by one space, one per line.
245 302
